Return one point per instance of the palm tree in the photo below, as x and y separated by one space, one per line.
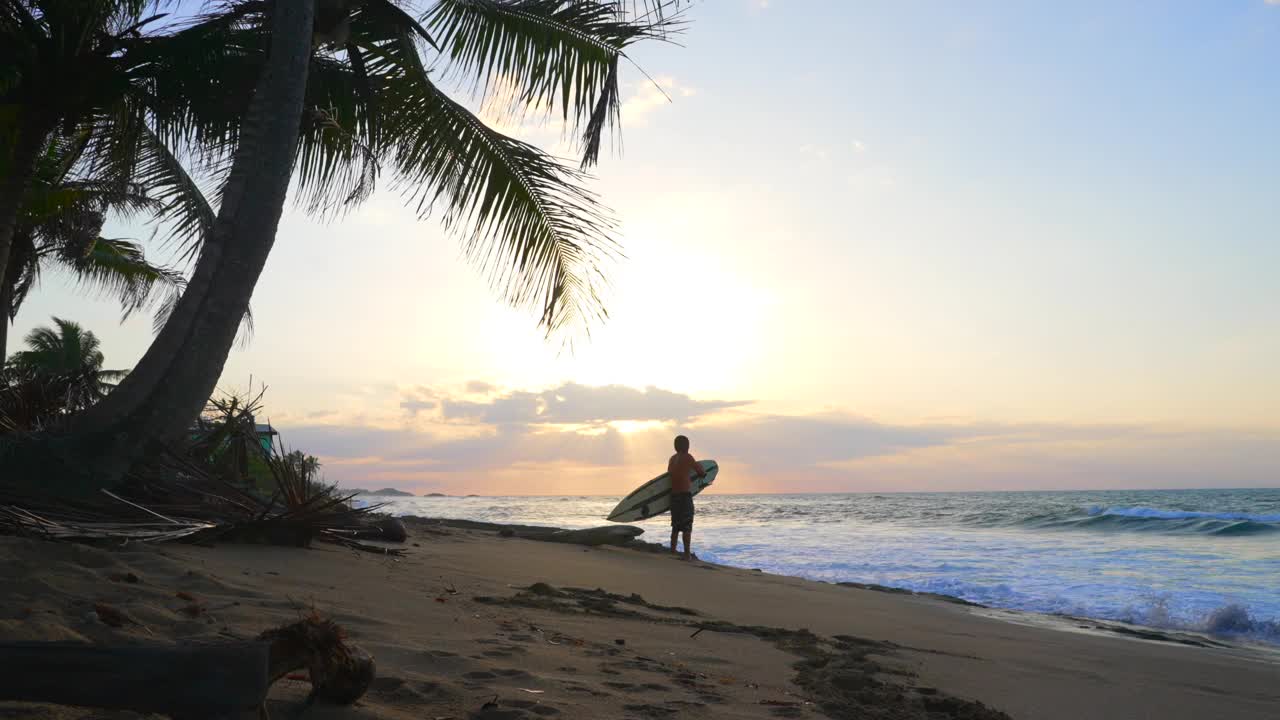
263 106
61 224
77 72
67 352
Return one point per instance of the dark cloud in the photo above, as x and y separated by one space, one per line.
574 404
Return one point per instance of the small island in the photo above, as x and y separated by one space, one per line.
391 492
434 495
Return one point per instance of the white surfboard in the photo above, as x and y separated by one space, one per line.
654 497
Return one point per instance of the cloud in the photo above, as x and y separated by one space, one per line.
416 406
419 399
764 446
574 404
787 443
651 95
580 439
781 453
1071 457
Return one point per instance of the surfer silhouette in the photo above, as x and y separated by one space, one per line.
682 467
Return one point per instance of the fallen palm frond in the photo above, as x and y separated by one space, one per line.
63 520
24 522
221 483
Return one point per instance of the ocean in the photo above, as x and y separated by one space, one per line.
1200 560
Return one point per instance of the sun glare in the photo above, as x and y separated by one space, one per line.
627 427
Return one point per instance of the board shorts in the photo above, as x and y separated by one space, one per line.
682 512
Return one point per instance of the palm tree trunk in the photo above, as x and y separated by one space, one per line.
171 383
28 144
19 257
6 309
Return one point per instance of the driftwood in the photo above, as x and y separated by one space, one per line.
187 682
604 535
195 681
607 535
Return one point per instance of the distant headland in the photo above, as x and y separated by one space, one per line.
391 492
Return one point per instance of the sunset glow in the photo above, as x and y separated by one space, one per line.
979 247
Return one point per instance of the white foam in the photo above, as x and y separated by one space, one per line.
1146 512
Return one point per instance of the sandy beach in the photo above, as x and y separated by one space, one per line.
472 625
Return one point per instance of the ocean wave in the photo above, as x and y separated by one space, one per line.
1157 513
1146 519
1231 621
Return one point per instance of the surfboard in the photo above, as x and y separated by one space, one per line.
654 497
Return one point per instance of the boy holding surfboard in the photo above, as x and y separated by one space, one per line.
681 468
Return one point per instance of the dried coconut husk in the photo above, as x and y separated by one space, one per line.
340 673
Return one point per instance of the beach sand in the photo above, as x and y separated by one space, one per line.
454 625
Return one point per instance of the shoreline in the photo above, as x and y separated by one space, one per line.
469 625
1060 622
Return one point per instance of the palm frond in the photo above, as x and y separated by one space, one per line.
199 79
523 217
547 55
337 166
119 268
201 84
124 151
182 205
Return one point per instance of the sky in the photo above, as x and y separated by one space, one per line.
870 246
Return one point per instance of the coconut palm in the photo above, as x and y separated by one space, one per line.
75 71
375 108
60 227
332 96
66 350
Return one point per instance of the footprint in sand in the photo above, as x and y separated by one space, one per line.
416 692
499 714
574 686
516 710
619 685
650 711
